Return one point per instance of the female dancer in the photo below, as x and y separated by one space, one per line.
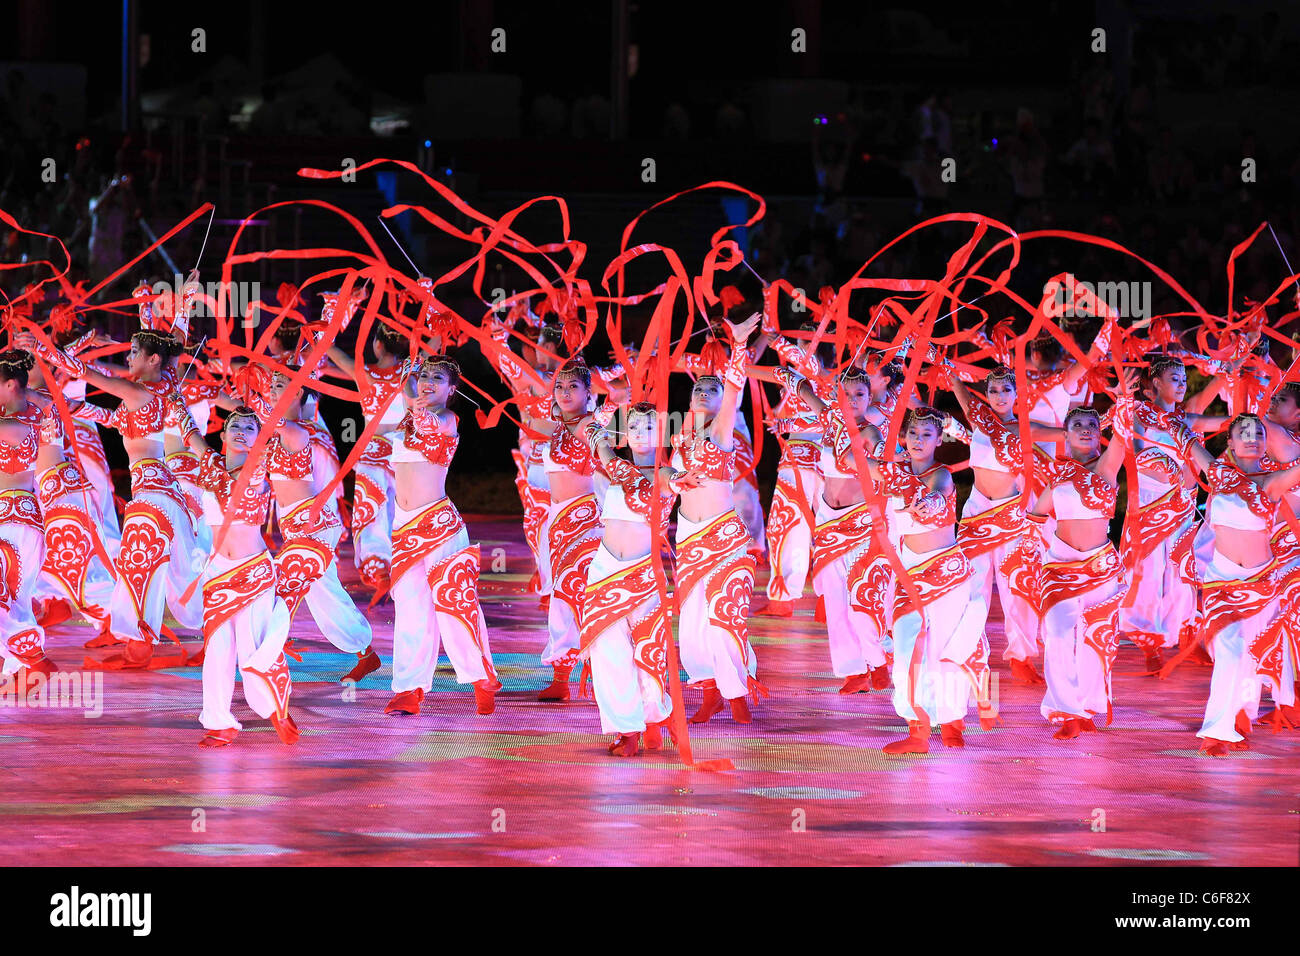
77 569
372 500
850 572
992 520
625 629
22 536
572 525
435 569
159 556
715 572
937 652
1238 572
1160 607
1082 580
306 564
530 381
792 516
245 623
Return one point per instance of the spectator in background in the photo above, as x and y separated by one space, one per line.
1092 161
926 174
1026 162
112 212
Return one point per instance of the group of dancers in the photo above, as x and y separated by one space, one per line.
863 510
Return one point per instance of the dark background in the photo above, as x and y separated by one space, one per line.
1143 143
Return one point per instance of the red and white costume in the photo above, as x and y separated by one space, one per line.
22 548
850 572
1241 604
306 564
625 629
160 556
572 530
744 489
792 516
434 580
992 533
372 496
74 569
245 623
1157 540
939 660
1081 594
715 581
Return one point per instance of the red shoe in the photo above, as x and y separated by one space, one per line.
1023 672
1153 660
1281 717
105 638
286 728
950 734
1088 726
626 745
655 732
776 609
53 611
138 654
758 603
820 614
1242 724
485 696
558 689
740 710
42 665
1070 729
917 740
218 738
855 683
407 702
653 738
1214 748
880 677
367 663
711 705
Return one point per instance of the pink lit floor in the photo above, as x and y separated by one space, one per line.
532 783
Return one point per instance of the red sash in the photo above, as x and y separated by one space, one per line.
1067 580
232 591
615 597
989 530
716 557
934 577
835 538
431 529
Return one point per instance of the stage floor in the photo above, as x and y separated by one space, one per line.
532 783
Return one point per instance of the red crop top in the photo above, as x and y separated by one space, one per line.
937 509
288 465
699 453
15 459
437 447
253 504
569 452
149 420
1095 495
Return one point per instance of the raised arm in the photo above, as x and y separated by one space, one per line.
733 381
134 395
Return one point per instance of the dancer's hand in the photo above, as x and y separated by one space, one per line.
1130 381
620 390
741 332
